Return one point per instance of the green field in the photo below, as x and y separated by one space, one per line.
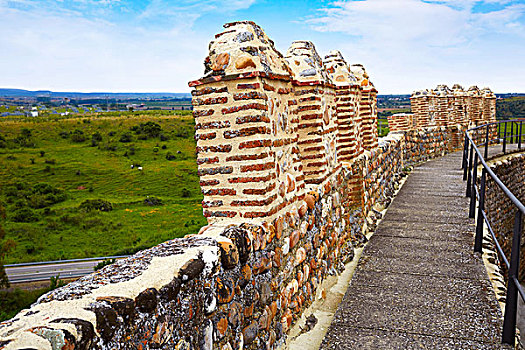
51 167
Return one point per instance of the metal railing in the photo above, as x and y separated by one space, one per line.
472 157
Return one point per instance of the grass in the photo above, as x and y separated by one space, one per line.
512 129
81 171
382 127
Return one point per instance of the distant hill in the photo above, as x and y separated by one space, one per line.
91 95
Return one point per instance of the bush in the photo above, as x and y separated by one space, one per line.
96 136
78 136
64 134
170 156
95 204
185 193
24 215
153 201
126 137
148 129
103 264
50 161
42 153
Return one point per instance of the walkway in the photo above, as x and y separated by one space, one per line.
418 284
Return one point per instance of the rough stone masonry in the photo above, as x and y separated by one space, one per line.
290 167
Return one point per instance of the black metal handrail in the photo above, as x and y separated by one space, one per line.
471 158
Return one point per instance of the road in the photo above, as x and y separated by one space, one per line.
41 271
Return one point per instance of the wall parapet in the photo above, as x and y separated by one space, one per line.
291 169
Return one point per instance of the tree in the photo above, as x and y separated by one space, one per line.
5 247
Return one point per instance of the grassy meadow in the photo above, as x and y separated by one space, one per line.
70 191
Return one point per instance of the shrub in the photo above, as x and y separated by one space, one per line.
50 161
164 137
78 136
96 137
95 204
64 134
25 133
153 201
103 264
126 137
185 193
170 156
42 153
155 149
24 215
148 129
164 146
56 282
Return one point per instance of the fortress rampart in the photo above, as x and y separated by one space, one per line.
455 109
292 174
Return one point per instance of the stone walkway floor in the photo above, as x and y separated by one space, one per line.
418 284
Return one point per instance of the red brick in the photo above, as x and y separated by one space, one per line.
202 113
257 191
206 136
213 125
257 106
214 182
207 160
268 87
219 192
244 157
248 86
209 90
255 144
220 148
257 167
252 95
252 179
255 130
252 119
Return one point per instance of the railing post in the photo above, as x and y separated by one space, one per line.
481 206
486 154
472 210
464 160
511 304
505 138
465 156
469 173
519 136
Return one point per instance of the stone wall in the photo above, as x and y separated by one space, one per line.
293 176
500 210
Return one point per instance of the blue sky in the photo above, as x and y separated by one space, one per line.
159 45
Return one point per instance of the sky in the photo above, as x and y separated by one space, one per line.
160 45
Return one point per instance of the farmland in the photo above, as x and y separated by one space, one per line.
103 185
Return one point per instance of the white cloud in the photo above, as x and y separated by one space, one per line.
412 44
47 46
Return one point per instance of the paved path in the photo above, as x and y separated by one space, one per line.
418 284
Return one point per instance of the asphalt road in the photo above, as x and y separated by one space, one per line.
31 272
